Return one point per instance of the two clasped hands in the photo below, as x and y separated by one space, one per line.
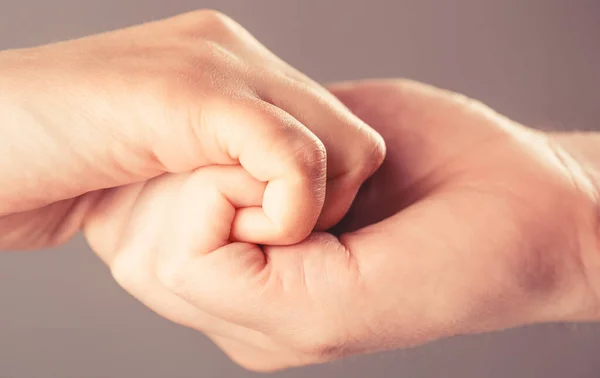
292 223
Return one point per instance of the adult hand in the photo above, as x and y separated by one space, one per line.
473 223
171 96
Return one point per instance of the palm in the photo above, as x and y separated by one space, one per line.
471 212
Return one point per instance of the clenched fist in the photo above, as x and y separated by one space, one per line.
81 119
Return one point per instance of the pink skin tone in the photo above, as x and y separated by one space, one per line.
471 223
171 97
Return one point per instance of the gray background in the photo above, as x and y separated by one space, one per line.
538 61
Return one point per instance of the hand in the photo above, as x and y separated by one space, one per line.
117 109
473 223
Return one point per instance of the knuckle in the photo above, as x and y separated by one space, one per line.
216 17
374 152
311 159
211 21
369 159
305 155
304 152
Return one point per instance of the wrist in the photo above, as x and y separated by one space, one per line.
20 159
582 150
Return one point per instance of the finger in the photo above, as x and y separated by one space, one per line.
205 209
276 149
134 268
247 286
354 150
215 199
224 282
202 197
199 263
135 272
149 231
233 182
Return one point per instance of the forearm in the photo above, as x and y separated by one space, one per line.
34 153
57 139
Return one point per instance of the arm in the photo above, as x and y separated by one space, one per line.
171 96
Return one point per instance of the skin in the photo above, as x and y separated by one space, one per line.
80 117
472 223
